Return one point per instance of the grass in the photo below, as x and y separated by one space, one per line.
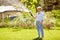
27 34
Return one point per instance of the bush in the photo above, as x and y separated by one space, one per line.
49 20
56 14
20 21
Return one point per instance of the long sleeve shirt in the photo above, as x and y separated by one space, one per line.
39 16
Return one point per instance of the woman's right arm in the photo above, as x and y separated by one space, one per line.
32 15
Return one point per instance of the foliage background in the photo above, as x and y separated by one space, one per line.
24 20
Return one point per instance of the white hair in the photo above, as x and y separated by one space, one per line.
39 7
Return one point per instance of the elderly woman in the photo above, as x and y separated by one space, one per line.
39 20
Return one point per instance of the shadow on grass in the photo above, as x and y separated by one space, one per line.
37 39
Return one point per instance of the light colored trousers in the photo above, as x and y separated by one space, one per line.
39 29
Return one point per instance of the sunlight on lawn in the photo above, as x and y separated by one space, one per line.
27 34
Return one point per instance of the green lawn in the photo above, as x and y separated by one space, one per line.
27 34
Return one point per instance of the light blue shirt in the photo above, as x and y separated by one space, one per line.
39 17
